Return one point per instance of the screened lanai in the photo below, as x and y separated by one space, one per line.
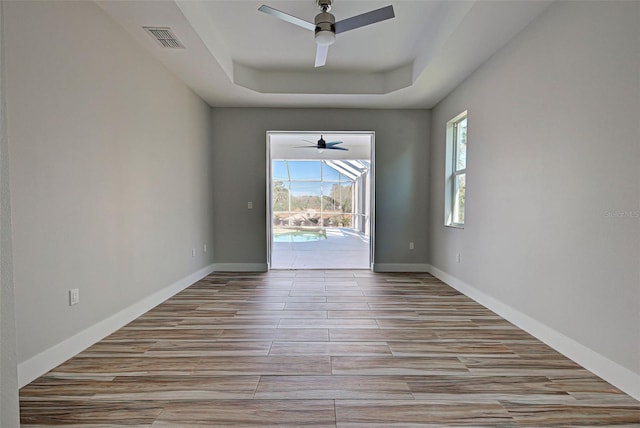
318 194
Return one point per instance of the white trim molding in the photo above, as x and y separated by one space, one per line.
240 267
48 359
401 267
612 372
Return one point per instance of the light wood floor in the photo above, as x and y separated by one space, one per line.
322 349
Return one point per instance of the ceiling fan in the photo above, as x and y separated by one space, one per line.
323 145
326 27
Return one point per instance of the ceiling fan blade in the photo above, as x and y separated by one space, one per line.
333 143
286 17
364 19
337 148
321 55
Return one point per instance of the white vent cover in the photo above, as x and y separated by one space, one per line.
165 37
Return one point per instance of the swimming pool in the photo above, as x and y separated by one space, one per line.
299 235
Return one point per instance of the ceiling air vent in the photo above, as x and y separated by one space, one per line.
165 37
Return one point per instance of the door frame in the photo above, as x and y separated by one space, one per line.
372 188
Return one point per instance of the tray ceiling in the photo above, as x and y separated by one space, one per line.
235 55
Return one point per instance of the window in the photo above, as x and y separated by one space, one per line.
456 180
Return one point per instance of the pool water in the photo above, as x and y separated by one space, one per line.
299 235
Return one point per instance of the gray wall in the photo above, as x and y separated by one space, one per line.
110 170
553 227
8 368
401 150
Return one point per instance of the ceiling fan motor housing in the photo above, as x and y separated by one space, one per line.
325 28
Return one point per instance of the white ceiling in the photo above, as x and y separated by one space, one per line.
238 56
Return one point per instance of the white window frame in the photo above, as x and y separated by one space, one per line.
452 172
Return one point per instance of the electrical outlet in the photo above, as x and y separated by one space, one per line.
204 248
411 246
250 205
74 296
193 252
458 257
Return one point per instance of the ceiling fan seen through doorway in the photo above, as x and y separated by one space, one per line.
323 145
326 27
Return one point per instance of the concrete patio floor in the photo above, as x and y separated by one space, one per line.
343 249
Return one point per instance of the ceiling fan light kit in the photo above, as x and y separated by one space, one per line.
326 27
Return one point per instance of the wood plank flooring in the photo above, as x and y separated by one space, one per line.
322 349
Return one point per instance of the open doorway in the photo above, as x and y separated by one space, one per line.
320 200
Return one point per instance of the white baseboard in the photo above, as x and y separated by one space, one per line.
401 267
617 375
240 267
48 359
